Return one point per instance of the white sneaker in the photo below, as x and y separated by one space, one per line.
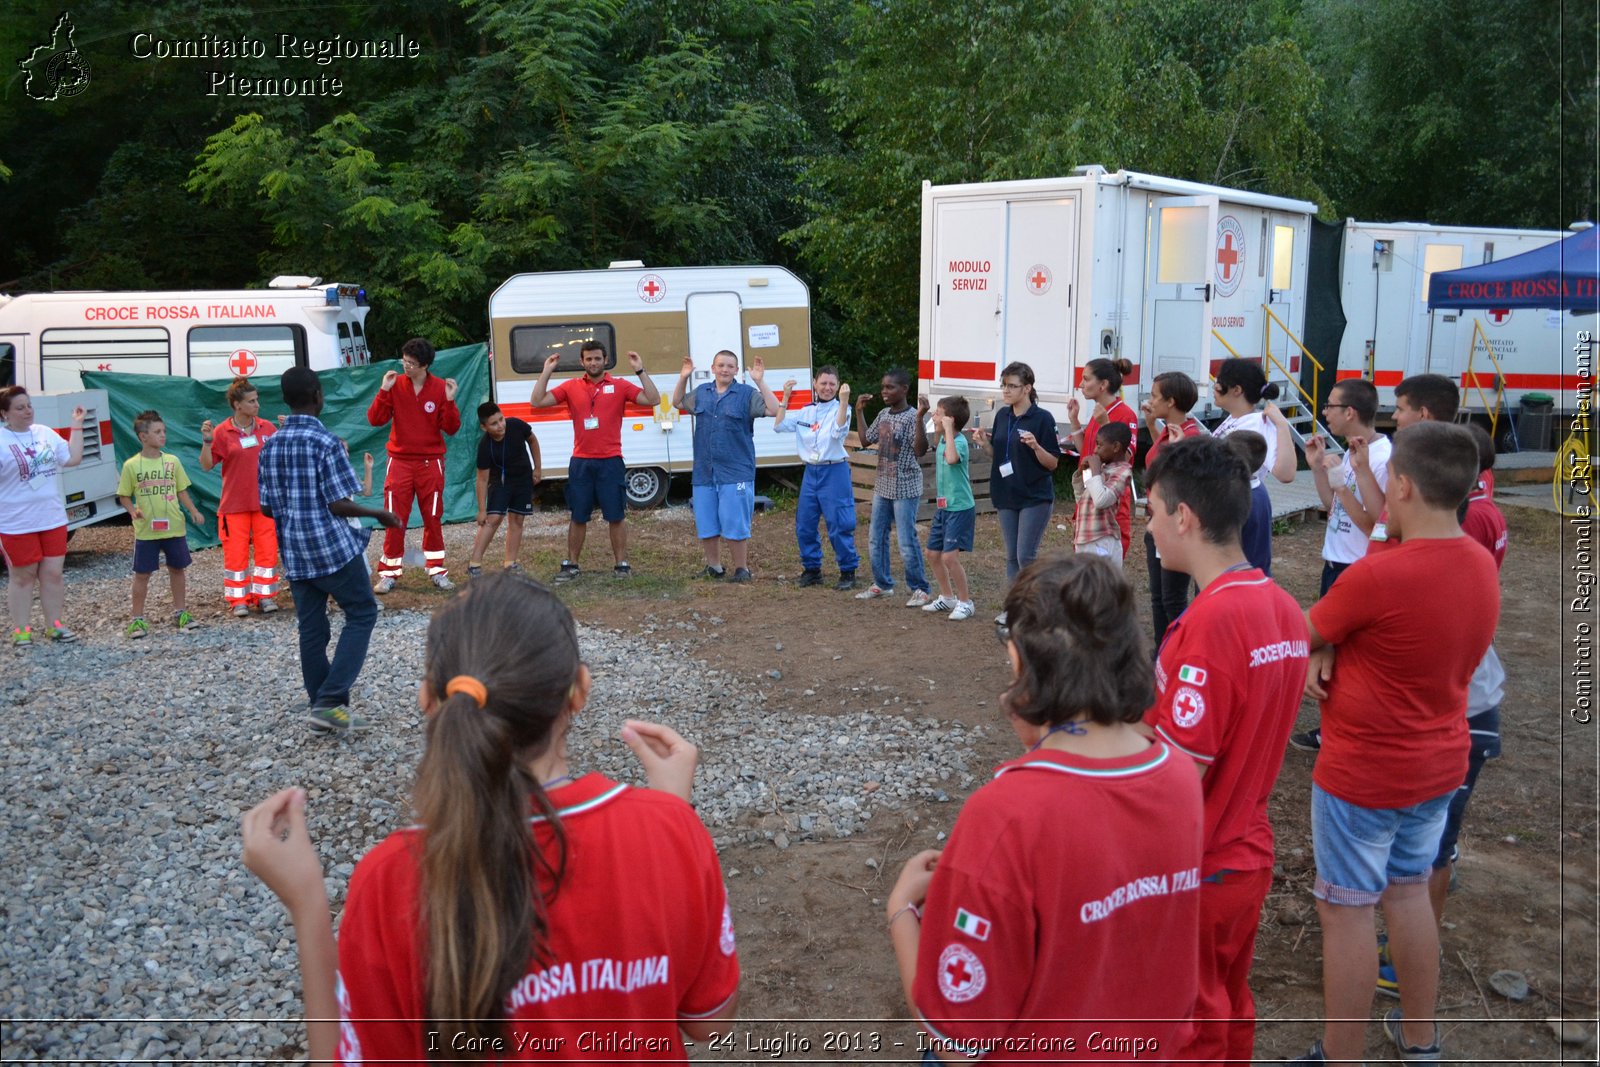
918 599
1000 619
385 585
939 603
872 592
962 610
442 581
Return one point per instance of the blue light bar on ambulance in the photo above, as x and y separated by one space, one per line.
337 293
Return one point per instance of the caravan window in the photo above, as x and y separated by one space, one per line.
232 351
8 365
133 350
532 345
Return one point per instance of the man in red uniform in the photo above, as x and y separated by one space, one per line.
1228 682
422 410
596 473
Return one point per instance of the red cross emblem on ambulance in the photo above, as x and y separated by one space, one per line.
1499 316
242 362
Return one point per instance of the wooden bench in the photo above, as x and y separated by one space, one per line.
864 474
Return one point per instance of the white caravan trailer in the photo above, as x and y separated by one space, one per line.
663 314
46 339
1054 272
1389 333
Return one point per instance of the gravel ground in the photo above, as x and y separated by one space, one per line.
132 931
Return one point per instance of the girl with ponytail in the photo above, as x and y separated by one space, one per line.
1102 384
1069 889
526 896
1239 386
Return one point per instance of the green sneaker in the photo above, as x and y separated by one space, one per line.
22 637
56 632
184 621
136 629
338 720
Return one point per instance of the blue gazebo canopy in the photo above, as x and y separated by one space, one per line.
1565 275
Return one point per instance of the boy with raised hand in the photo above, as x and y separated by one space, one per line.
1395 740
1229 676
152 488
1356 501
954 521
825 494
1103 477
508 469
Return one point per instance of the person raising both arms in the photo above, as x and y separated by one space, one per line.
596 474
1240 385
825 494
33 518
489 917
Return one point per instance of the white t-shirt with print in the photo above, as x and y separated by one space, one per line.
1344 542
1255 422
30 480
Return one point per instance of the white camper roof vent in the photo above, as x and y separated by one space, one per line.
293 281
1090 170
625 264
1581 225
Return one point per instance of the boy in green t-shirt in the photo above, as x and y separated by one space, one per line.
152 487
954 521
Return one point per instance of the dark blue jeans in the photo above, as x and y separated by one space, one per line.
328 685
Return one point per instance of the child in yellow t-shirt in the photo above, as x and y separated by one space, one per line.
152 488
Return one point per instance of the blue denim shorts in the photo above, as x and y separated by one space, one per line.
1361 851
724 511
952 531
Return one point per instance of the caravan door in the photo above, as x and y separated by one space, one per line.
1041 259
1181 284
714 326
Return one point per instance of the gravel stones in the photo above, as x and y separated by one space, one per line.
128 764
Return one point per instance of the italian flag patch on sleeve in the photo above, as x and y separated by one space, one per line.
1192 675
972 925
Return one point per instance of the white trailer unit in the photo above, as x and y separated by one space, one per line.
663 314
46 339
1054 272
1390 334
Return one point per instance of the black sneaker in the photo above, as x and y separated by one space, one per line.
846 582
569 570
622 570
716 574
743 575
810 578
1310 741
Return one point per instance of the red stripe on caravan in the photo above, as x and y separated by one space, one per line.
1131 378
530 414
968 370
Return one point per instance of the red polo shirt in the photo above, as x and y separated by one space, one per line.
606 401
238 455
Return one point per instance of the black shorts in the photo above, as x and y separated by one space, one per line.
516 498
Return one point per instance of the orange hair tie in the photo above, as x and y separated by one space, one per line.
466 683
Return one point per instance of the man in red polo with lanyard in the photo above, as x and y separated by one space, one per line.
596 474
1228 684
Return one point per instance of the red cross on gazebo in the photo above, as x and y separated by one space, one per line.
242 362
1498 316
960 976
1227 256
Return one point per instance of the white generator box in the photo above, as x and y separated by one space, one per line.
90 488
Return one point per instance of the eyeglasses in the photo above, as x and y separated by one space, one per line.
1330 406
408 361
1011 385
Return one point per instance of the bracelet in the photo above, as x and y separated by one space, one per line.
912 908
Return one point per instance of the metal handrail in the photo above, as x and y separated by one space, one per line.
1499 375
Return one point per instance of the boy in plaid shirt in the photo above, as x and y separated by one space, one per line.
1101 479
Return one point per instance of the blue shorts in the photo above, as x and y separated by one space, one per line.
952 530
147 554
516 498
592 481
724 511
1485 727
1361 851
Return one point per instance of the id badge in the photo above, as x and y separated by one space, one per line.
608 388
591 423
160 525
247 441
1005 470
941 503
816 457
1380 532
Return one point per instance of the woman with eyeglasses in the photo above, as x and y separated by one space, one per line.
1026 451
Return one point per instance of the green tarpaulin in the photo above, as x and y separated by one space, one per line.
185 403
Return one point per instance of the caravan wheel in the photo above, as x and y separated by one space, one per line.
647 487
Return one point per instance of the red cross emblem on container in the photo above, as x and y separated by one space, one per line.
242 362
652 287
1230 255
1038 279
1499 316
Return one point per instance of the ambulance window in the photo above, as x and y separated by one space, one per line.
1438 257
128 350
532 345
8 365
1283 257
233 351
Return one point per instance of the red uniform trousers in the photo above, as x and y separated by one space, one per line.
421 480
1230 914
241 583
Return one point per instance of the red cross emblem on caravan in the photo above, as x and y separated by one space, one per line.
652 288
242 362
1227 257
1499 316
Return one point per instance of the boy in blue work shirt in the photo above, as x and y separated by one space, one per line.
724 497
825 494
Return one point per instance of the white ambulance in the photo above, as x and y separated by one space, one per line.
47 339
1389 333
1055 272
663 314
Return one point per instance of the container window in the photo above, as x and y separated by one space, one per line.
1436 258
1185 245
1283 257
